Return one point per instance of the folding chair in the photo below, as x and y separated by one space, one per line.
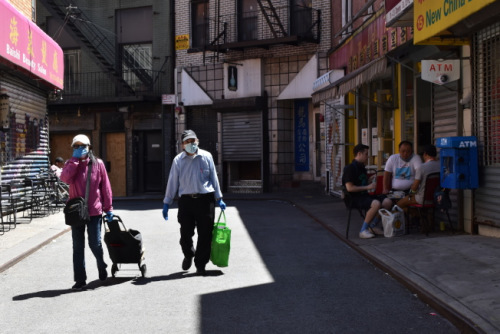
349 203
431 183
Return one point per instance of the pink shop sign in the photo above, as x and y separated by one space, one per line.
24 44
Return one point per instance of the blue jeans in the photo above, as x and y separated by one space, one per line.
95 244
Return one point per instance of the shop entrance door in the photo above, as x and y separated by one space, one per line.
148 161
115 162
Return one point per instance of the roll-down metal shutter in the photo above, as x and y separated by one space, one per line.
486 110
25 144
242 136
445 106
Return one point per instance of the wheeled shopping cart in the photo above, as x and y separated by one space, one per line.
124 245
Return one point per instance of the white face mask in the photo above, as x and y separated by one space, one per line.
191 148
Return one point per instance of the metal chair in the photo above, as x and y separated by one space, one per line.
37 196
349 203
431 183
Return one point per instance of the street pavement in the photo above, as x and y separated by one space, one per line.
456 274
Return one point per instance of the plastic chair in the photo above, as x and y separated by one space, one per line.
349 203
431 183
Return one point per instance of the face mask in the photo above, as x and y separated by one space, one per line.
191 148
80 152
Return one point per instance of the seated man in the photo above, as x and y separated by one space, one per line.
430 165
400 169
355 181
57 167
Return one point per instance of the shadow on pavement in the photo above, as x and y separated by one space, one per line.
175 276
56 293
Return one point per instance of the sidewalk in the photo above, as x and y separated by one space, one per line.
457 274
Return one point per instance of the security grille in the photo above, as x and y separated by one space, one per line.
486 107
486 103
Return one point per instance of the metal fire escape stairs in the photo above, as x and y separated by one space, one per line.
100 47
272 18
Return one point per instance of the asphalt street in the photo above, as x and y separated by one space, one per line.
286 274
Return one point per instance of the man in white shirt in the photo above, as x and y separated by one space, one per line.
400 169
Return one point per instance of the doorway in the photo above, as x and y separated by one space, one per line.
115 161
148 161
60 146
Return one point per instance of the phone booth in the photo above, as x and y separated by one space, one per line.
459 162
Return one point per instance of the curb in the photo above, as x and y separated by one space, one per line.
462 323
30 251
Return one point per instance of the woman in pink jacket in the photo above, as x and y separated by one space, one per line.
100 200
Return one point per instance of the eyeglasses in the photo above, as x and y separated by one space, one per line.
76 147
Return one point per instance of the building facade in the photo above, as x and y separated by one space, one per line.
386 85
119 63
244 75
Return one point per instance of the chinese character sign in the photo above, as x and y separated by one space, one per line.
301 136
23 43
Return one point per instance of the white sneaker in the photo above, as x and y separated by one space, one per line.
366 234
376 230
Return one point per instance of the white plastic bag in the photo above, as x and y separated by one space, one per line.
393 222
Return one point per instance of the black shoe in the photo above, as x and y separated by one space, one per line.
201 271
103 274
79 285
187 262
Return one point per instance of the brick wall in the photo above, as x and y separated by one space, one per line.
23 6
281 63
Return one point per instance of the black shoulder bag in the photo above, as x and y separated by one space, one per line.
76 211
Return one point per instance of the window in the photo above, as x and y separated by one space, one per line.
199 24
346 15
140 62
248 12
33 10
72 72
302 18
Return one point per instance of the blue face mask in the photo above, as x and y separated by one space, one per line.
191 148
80 152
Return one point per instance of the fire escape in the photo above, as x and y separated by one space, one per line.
100 47
270 25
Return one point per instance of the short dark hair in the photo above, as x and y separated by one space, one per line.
59 159
430 150
360 148
406 142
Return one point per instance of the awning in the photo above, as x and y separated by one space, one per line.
301 87
366 73
192 93
24 44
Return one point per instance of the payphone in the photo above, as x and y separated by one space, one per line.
459 162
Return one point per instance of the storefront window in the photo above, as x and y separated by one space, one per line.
375 110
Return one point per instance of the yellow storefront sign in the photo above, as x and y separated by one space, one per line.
182 42
432 17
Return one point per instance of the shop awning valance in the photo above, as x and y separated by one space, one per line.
353 80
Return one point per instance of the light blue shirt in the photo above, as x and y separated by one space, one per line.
192 175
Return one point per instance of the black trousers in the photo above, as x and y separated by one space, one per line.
197 213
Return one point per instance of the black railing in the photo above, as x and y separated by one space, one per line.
98 84
297 21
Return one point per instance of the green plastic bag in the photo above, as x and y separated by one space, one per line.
221 243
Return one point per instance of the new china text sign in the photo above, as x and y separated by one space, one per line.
431 17
24 44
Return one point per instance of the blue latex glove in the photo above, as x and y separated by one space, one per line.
109 216
222 205
165 211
